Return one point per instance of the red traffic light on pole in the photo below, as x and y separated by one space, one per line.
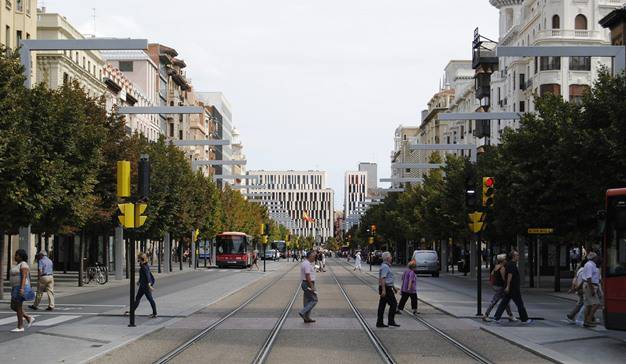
488 191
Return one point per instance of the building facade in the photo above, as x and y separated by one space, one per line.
300 197
222 129
18 20
404 136
546 23
54 68
355 193
372 177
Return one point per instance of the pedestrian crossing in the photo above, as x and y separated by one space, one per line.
41 320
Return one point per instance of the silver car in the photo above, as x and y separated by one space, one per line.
427 262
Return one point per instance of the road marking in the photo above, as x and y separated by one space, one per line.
11 320
55 320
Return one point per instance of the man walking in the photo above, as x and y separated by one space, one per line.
591 284
387 293
307 276
45 281
513 290
357 261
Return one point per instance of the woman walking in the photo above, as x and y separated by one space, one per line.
497 279
409 288
21 290
357 261
255 260
146 284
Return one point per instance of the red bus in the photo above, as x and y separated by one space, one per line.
615 260
233 249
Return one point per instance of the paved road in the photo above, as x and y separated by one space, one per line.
337 336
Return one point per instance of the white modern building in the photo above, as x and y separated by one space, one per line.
546 23
222 128
297 199
355 193
372 177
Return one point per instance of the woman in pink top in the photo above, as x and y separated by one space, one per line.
409 288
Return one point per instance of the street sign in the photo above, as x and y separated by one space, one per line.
540 231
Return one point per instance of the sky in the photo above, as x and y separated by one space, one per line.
313 84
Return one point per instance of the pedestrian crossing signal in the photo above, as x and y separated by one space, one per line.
139 210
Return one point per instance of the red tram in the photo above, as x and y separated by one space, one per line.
615 260
233 249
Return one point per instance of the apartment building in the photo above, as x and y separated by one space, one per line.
18 20
300 198
372 178
355 193
404 136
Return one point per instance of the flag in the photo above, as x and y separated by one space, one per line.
307 218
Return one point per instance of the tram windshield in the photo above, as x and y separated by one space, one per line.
230 244
616 239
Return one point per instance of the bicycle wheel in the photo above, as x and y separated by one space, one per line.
105 271
100 276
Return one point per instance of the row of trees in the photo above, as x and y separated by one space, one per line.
58 154
553 171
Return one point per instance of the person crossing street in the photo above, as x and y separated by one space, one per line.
45 281
387 293
357 261
307 278
512 290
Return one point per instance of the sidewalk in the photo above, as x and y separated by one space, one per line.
550 335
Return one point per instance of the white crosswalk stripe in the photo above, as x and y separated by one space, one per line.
55 320
12 320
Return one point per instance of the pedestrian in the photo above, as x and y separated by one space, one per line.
574 255
387 292
497 277
577 287
45 281
357 261
591 292
255 260
21 290
512 290
307 277
146 284
409 288
323 261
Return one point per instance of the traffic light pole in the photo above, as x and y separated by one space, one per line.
479 280
131 266
264 256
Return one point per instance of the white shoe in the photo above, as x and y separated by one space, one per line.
17 329
527 322
513 319
30 323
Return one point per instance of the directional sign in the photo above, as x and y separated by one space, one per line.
540 231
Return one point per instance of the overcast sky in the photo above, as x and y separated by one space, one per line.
314 84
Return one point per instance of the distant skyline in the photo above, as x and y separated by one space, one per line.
314 85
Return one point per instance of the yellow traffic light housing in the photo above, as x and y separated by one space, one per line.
488 191
139 210
127 218
123 179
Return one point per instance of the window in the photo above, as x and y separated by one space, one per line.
550 88
549 63
408 170
126 66
171 130
180 134
576 93
19 5
580 63
522 81
7 37
556 22
580 23
66 78
522 106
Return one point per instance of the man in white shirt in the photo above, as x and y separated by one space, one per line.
307 276
577 287
591 284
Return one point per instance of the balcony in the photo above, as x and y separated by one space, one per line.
569 34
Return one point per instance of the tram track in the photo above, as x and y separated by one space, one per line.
455 342
384 353
267 345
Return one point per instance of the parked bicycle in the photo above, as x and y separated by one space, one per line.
97 272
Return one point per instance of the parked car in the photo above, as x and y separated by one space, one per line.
271 254
427 262
376 257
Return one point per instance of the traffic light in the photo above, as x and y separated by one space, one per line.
488 191
139 210
470 198
264 240
123 179
144 177
127 218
